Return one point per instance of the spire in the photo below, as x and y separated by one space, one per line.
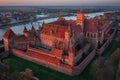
25 30
32 28
43 23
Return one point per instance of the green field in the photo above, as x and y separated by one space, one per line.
44 73
1 45
111 48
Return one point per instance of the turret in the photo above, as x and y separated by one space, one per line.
80 20
7 37
32 28
25 31
71 54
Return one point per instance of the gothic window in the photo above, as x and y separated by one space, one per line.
87 34
91 35
94 35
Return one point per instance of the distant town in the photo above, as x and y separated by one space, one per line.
78 47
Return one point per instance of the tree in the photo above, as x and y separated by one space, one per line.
102 69
7 74
115 57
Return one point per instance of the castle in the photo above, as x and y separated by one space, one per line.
63 45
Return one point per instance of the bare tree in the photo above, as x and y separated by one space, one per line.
102 69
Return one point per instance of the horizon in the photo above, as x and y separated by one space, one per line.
59 3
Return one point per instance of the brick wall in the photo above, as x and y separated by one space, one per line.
105 45
41 51
78 69
58 67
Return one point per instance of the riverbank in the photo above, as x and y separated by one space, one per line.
18 27
4 26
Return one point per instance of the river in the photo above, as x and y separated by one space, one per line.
19 28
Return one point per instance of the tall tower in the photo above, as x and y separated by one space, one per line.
80 20
9 34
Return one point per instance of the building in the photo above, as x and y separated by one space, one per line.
60 45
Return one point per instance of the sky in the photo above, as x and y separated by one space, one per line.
59 2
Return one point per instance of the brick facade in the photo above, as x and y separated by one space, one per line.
59 44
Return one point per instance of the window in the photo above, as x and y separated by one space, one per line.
87 34
91 35
94 35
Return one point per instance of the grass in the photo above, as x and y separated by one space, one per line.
1 45
44 73
111 48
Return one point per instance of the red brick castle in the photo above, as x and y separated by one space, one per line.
62 45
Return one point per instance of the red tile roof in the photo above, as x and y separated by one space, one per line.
90 26
9 33
54 30
59 27
95 25
25 29
23 38
32 28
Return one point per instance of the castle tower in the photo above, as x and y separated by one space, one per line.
7 38
80 20
71 54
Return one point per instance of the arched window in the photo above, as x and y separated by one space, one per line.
91 35
87 34
94 35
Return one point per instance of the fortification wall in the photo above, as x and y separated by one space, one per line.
58 67
105 45
78 56
78 69
41 51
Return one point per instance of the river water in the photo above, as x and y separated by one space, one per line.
19 28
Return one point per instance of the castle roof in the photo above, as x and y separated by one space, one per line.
23 38
102 24
54 30
25 29
32 29
90 26
95 25
9 33
59 27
